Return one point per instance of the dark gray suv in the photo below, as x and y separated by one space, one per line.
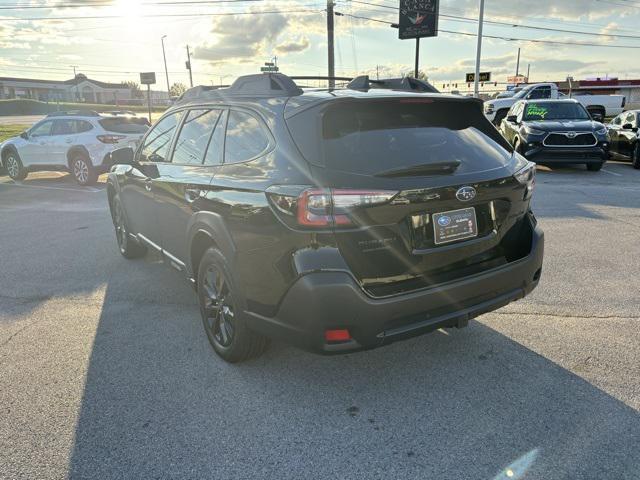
338 220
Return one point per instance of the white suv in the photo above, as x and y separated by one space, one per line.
77 142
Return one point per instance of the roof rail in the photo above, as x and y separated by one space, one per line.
77 113
259 85
410 84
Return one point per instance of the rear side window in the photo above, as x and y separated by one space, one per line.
245 138
540 92
156 144
63 127
194 137
376 137
82 126
631 118
125 125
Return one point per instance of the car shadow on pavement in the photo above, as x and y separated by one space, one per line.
455 404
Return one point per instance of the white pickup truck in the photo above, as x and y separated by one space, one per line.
599 106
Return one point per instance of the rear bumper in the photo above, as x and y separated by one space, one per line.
320 301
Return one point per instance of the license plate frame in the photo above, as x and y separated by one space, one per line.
462 224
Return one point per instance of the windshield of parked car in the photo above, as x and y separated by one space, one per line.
369 138
555 111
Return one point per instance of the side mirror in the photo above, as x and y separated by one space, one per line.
627 126
597 117
512 118
122 156
24 135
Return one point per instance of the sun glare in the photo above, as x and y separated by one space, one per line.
128 8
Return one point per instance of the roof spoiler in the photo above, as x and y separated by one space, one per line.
408 84
259 85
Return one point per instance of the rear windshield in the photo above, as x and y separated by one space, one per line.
125 125
370 138
555 111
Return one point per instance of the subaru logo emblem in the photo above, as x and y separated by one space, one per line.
571 134
465 194
444 221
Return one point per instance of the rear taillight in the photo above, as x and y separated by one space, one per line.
527 176
328 207
110 138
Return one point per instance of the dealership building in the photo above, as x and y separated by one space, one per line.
78 89
607 86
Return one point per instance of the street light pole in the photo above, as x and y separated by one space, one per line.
189 67
75 80
166 71
331 57
478 51
415 73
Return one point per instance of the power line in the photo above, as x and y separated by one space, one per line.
110 4
155 15
496 37
546 20
514 25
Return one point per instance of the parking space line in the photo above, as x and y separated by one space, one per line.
84 190
611 173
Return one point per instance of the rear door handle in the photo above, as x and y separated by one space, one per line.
192 194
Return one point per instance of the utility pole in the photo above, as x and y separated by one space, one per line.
478 50
415 70
377 72
166 71
331 58
189 67
75 80
518 63
528 70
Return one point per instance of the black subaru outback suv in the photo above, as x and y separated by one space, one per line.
337 220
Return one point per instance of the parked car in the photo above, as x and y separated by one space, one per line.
556 132
337 220
77 142
598 106
625 138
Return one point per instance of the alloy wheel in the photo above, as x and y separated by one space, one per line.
13 168
121 229
218 309
81 170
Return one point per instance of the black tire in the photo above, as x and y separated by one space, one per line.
500 115
14 166
635 156
221 308
128 247
594 167
82 169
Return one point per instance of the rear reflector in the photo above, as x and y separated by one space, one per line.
337 335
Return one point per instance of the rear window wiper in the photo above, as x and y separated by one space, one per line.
437 168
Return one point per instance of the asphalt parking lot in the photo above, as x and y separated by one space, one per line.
105 371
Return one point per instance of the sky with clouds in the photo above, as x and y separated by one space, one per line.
119 38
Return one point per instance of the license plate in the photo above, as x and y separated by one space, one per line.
454 225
